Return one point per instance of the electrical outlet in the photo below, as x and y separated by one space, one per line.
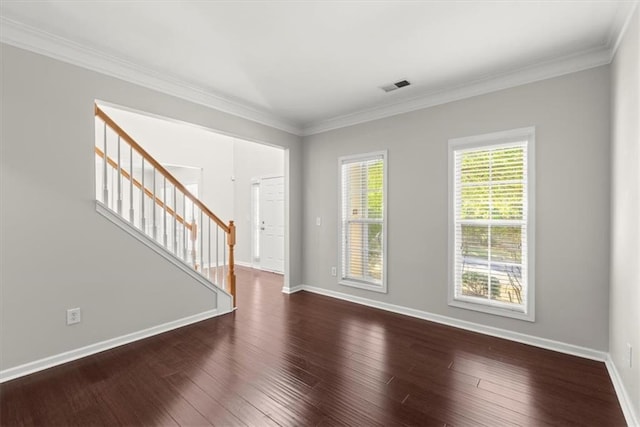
630 355
333 271
318 221
73 316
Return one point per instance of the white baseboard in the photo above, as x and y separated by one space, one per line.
68 356
245 264
293 290
625 400
256 267
623 397
548 344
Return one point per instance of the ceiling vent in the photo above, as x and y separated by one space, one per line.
396 85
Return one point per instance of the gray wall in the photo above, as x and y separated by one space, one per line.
53 243
571 115
624 326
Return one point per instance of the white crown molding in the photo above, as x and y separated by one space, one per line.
546 70
625 400
620 24
35 40
68 356
553 68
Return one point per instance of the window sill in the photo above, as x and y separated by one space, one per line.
364 285
497 311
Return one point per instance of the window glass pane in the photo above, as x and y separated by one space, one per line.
374 251
475 242
475 167
506 283
364 251
507 201
355 237
374 204
475 280
374 189
475 202
355 182
507 164
506 244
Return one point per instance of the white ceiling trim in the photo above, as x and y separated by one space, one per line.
555 68
619 27
26 37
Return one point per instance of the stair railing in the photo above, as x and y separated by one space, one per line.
137 187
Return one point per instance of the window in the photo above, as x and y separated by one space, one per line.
363 191
491 223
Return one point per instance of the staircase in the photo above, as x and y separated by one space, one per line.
138 194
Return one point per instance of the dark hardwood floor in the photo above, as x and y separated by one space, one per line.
310 360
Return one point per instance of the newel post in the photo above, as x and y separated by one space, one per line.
232 271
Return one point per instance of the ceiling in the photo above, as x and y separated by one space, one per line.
310 66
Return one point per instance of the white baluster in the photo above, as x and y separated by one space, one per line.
193 242
201 244
153 207
119 181
105 184
164 216
217 253
175 221
224 261
143 224
209 249
131 212
184 227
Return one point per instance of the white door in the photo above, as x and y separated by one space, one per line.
272 224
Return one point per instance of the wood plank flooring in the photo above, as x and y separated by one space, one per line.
309 360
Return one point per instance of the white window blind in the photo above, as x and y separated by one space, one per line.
363 188
491 248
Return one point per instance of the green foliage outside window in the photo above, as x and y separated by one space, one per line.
492 189
375 208
476 284
489 181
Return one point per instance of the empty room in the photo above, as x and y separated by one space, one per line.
315 213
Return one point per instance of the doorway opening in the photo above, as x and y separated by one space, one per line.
225 171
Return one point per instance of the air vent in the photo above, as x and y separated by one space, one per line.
396 85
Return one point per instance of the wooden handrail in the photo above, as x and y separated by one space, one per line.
148 192
164 172
229 229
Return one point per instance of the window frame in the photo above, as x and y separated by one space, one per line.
488 141
342 279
